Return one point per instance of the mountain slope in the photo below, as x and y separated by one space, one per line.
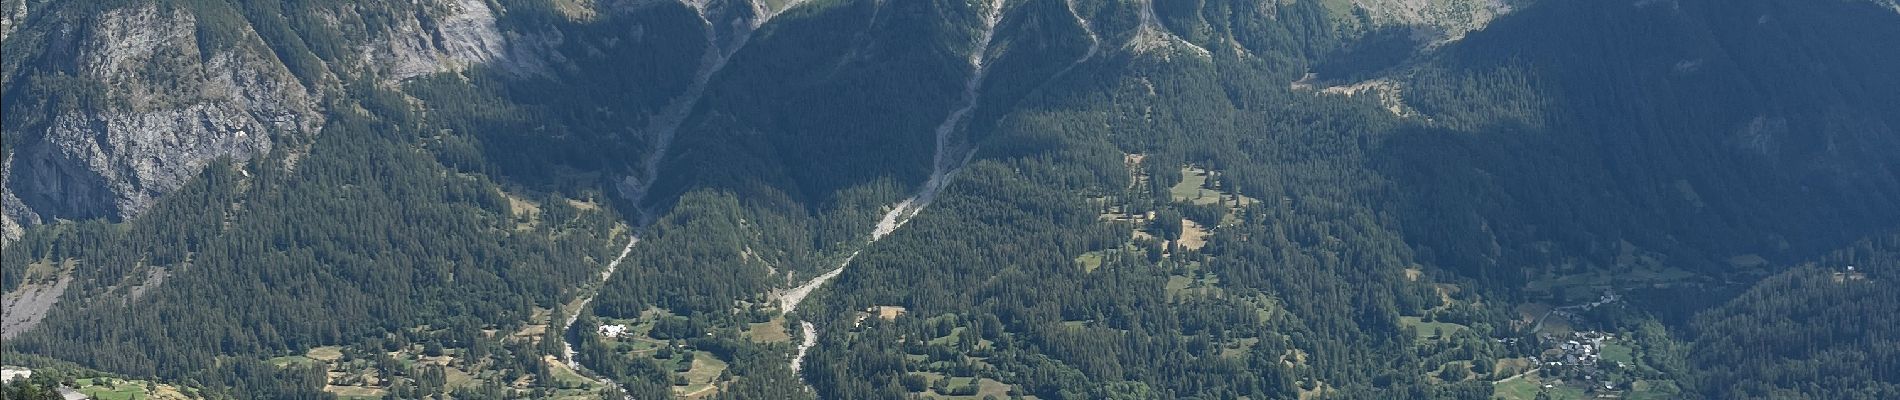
1064 199
1818 331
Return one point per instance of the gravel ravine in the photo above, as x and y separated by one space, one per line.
664 126
944 164
28 304
588 298
660 130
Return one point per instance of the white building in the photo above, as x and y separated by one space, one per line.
613 331
8 374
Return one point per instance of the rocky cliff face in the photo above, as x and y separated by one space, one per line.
166 109
10 13
1449 19
163 107
448 35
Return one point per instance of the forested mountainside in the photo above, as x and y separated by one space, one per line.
1816 331
1058 199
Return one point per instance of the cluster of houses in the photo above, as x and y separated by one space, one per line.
1850 276
1580 349
886 313
1579 353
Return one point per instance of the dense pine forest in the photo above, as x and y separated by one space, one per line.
1154 199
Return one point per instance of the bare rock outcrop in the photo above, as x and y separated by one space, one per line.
24 307
165 103
1448 20
161 109
451 36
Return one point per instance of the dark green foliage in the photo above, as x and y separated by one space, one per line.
823 99
1688 127
1818 331
362 237
1695 130
1375 52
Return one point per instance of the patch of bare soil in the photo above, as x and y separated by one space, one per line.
25 307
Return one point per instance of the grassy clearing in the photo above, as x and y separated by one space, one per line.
1090 261
526 213
1181 285
458 378
537 323
1239 348
583 205
769 331
325 353
532 331
563 375
1177 284
704 375
1192 190
1430 330
1193 235
1658 390
121 389
955 334
1528 386
1512 366
1516 389
985 387
354 392
1615 351
122 392
287 361
988 387
635 347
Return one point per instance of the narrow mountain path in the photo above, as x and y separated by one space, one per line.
949 158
